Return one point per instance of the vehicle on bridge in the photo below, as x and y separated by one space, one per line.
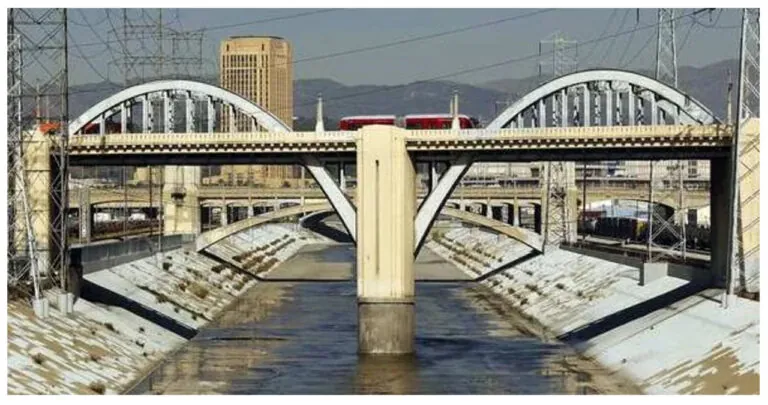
356 122
412 121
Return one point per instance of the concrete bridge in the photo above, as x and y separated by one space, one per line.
241 196
385 222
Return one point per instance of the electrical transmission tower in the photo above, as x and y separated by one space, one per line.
564 58
150 49
666 49
37 185
743 256
558 178
666 234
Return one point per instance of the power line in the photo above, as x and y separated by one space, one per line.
476 68
640 51
613 42
421 38
398 42
626 47
497 64
605 30
216 27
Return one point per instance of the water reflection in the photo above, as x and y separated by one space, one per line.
307 344
386 375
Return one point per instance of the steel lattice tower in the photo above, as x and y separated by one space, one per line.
666 50
670 182
748 106
37 69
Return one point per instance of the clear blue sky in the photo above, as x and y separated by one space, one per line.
336 31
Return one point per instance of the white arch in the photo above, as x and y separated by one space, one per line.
692 112
263 117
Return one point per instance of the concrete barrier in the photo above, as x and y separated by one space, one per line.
100 256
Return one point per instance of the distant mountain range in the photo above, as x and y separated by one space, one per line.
707 84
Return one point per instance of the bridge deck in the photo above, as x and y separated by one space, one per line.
664 141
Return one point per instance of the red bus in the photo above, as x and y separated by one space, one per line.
413 121
438 121
356 122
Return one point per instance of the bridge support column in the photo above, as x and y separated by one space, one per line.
537 218
433 176
386 207
342 177
39 175
488 209
181 196
515 215
86 215
224 214
745 267
250 209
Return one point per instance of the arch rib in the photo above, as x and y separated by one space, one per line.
263 117
671 98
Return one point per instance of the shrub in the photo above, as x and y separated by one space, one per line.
95 357
166 266
110 327
199 291
38 358
97 387
560 286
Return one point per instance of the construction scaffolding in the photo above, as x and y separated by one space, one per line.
37 178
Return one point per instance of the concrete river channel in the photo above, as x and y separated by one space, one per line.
297 334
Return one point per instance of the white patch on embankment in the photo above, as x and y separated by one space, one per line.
95 350
103 349
691 346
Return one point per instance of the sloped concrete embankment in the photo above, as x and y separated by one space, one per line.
134 315
669 336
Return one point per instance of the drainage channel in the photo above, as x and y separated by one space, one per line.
301 338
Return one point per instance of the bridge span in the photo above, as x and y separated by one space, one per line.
660 123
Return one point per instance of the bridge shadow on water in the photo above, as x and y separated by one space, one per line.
458 349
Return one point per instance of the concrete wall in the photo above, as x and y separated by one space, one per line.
101 256
669 336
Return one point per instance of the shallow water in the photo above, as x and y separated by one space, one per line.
307 343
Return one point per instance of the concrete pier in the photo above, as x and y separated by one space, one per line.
386 196
181 191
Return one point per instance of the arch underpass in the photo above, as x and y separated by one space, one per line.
209 238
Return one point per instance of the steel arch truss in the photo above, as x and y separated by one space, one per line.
167 95
160 99
601 97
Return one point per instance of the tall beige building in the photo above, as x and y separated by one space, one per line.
258 68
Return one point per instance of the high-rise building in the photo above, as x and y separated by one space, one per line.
258 68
